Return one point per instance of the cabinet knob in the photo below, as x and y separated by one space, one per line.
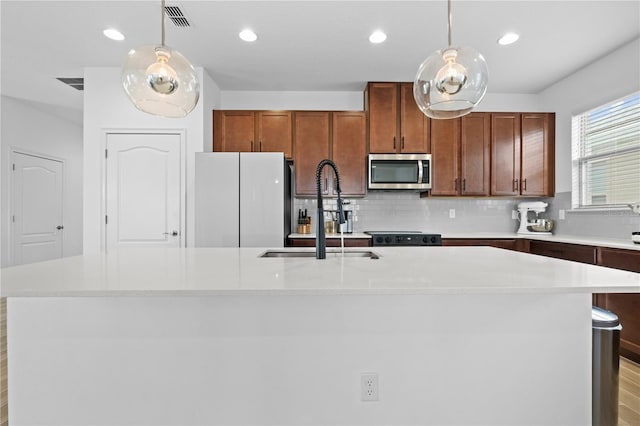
455 184
402 143
59 227
524 184
394 143
464 185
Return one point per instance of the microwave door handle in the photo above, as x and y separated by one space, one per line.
420 171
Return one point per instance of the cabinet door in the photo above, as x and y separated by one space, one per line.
349 151
383 117
233 131
311 145
566 251
414 125
274 132
538 170
505 154
474 151
625 305
445 156
509 244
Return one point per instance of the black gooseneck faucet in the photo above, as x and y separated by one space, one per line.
321 239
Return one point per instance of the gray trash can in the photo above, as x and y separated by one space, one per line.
605 367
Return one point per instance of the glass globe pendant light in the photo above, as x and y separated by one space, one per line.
159 80
451 81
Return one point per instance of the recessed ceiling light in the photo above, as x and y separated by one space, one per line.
113 34
508 38
248 35
377 37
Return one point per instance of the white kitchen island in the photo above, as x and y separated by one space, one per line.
457 335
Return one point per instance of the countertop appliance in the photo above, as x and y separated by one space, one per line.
527 227
242 199
400 171
404 238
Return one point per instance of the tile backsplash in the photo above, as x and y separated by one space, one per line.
616 224
406 211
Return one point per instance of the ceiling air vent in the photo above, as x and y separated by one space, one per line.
176 16
75 82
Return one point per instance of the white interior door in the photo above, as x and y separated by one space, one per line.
143 196
36 194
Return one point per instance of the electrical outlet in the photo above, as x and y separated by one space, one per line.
369 386
452 213
561 214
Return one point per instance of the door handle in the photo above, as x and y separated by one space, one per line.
59 227
173 233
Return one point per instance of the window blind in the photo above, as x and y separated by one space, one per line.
606 154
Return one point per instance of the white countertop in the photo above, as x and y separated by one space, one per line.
230 271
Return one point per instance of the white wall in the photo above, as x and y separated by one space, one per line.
29 127
348 101
319 101
607 79
211 98
106 107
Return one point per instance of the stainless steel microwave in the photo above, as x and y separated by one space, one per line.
400 171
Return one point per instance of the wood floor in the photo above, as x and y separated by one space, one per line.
628 407
629 394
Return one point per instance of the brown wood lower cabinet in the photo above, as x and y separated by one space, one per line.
505 243
566 251
331 242
625 305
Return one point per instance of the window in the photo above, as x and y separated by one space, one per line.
606 154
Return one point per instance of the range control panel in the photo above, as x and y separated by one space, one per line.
404 239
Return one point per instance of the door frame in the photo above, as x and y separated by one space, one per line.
13 150
103 176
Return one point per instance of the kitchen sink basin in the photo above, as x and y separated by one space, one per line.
330 253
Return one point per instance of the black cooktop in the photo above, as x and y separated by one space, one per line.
404 238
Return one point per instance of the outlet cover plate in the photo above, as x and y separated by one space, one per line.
369 386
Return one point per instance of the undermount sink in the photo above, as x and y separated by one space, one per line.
330 253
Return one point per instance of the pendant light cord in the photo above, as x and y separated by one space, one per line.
163 9
448 22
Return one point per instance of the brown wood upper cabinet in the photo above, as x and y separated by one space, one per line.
460 155
396 124
339 136
252 131
523 154
349 151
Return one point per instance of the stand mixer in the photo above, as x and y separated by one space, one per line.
523 210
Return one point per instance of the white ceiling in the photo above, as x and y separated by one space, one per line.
308 45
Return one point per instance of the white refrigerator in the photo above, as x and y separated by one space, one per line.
240 199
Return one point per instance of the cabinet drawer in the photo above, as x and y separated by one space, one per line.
331 242
575 252
628 260
509 244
